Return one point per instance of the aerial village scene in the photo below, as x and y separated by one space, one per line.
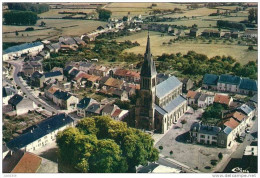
113 87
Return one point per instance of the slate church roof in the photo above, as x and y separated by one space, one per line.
167 86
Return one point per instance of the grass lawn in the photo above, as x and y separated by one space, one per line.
241 53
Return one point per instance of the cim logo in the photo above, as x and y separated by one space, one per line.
238 169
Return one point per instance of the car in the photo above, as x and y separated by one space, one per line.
247 131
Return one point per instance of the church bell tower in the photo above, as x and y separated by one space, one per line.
144 112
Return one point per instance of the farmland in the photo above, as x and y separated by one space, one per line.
241 53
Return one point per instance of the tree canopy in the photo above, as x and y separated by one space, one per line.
37 8
102 145
20 18
104 14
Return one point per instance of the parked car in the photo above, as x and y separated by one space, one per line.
247 131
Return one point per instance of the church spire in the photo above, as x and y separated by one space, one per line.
148 67
148 48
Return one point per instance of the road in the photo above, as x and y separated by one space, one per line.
18 67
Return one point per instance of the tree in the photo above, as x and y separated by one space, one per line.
125 18
183 122
16 33
42 23
100 144
103 14
250 48
252 15
220 155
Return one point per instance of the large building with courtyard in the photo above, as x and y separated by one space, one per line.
159 105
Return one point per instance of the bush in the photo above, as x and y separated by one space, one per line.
171 152
207 167
29 29
250 48
220 155
213 162
161 147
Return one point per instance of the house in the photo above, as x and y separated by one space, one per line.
228 83
45 54
68 69
211 33
119 114
42 134
83 105
248 86
192 97
205 100
18 50
85 66
187 84
54 69
8 92
30 67
127 75
227 35
114 83
254 99
36 79
101 71
247 110
8 110
204 134
21 105
65 100
79 41
120 93
223 99
109 109
49 91
26 162
210 81
250 34
94 109
56 47
57 75
93 81
194 32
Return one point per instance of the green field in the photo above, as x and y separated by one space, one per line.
59 27
241 53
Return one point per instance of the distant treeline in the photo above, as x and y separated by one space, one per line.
231 25
20 18
37 8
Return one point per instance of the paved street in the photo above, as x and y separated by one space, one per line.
18 67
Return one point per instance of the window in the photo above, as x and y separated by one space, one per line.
202 136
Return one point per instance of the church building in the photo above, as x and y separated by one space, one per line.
159 106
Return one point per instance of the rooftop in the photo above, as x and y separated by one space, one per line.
210 130
232 123
174 103
62 95
16 99
85 102
210 79
52 74
165 87
248 84
40 130
229 79
21 47
222 99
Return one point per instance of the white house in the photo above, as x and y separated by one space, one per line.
27 48
41 134
21 105
205 100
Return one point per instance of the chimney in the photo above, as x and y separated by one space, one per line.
31 131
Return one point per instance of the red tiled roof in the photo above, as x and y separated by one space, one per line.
82 75
222 99
237 115
116 113
93 78
125 73
29 163
232 123
191 94
114 82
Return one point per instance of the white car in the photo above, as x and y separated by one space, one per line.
247 131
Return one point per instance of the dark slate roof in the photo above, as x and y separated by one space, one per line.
210 79
174 103
166 86
93 108
52 74
245 108
74 72
37 74
43 128
254 98
21 47
7 108
160 110
68 68
203 97
148 68
103 80
210 130
85 102
118 92
248 84
7 91
56 45
62 95
229 79
15 99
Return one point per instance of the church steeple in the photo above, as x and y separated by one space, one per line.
148 67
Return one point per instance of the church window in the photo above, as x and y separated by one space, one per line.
153 82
